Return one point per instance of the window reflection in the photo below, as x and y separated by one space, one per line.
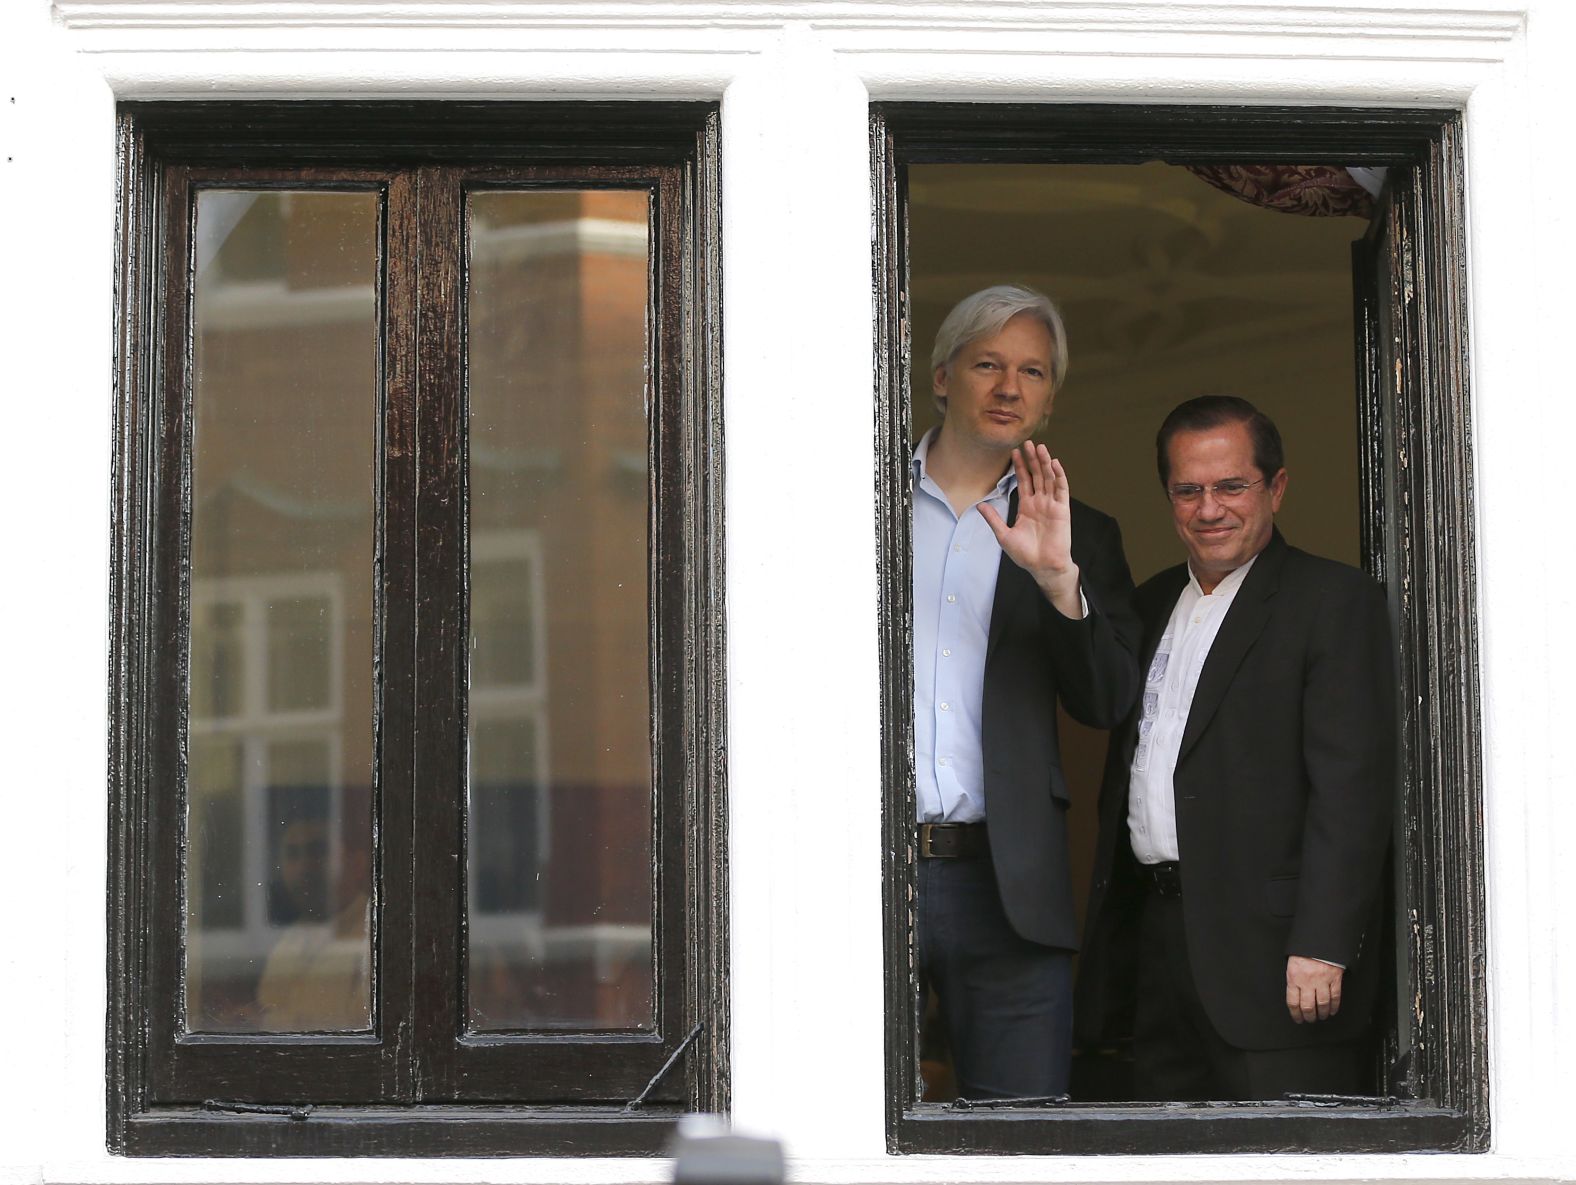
559 832
279 765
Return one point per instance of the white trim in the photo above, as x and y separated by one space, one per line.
931 49
1487 21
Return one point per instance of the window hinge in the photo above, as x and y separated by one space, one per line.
639 1100
296 1113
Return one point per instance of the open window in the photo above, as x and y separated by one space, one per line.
1401 486
416 787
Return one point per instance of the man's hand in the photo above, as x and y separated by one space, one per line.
1313 989
1040 540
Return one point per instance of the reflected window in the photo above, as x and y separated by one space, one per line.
277 835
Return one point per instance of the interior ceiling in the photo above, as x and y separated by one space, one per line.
1169 289
1147 262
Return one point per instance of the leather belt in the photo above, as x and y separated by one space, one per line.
953 841
1163 879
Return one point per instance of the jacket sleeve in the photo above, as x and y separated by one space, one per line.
1349 755
1094 659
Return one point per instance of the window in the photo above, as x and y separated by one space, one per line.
265 793
1415 524
417 785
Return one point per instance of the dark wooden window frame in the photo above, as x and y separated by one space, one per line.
1414 419
417 1085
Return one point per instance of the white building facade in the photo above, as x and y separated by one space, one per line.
795 81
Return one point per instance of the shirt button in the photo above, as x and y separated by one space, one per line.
943 761
957 547
951 599
946 652
946 707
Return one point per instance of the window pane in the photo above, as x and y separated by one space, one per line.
216 660
503 612
505 825
216 830
559 854
299 650
285 397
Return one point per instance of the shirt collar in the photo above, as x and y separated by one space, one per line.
922 451
1004 487
1228 584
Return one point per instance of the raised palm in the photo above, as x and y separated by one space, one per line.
1040 540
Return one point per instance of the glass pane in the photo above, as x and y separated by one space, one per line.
299 853
215 839
216 660
279 776
502 611
299 652
506 829
559 852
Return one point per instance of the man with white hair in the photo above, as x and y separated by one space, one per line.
1021 600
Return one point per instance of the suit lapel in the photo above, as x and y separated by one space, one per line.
1245 620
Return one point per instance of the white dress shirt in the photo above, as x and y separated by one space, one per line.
956 558
1168 698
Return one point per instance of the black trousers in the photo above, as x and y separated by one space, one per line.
1178 1055
1006 1001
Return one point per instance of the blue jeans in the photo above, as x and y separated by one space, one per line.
1007 1002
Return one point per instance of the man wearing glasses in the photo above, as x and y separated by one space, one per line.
1246 806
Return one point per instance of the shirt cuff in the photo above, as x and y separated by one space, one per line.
1083 602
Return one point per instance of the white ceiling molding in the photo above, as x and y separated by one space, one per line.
1480 22
1295 51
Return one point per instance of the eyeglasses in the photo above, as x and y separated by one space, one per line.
1186 493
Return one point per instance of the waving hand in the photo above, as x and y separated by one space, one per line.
1040 540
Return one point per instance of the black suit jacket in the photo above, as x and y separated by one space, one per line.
1035 656
1285 792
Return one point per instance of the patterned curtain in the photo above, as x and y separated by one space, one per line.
1321 191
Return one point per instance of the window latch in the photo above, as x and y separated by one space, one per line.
639 1100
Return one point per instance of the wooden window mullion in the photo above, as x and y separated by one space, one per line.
438 811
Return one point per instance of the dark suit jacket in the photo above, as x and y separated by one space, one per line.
1034 656
1285 792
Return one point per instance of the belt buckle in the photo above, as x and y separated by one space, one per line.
926 852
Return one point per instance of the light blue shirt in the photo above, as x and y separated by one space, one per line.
956 559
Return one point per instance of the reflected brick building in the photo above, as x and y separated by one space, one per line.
283 622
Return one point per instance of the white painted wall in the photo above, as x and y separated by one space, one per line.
794 78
